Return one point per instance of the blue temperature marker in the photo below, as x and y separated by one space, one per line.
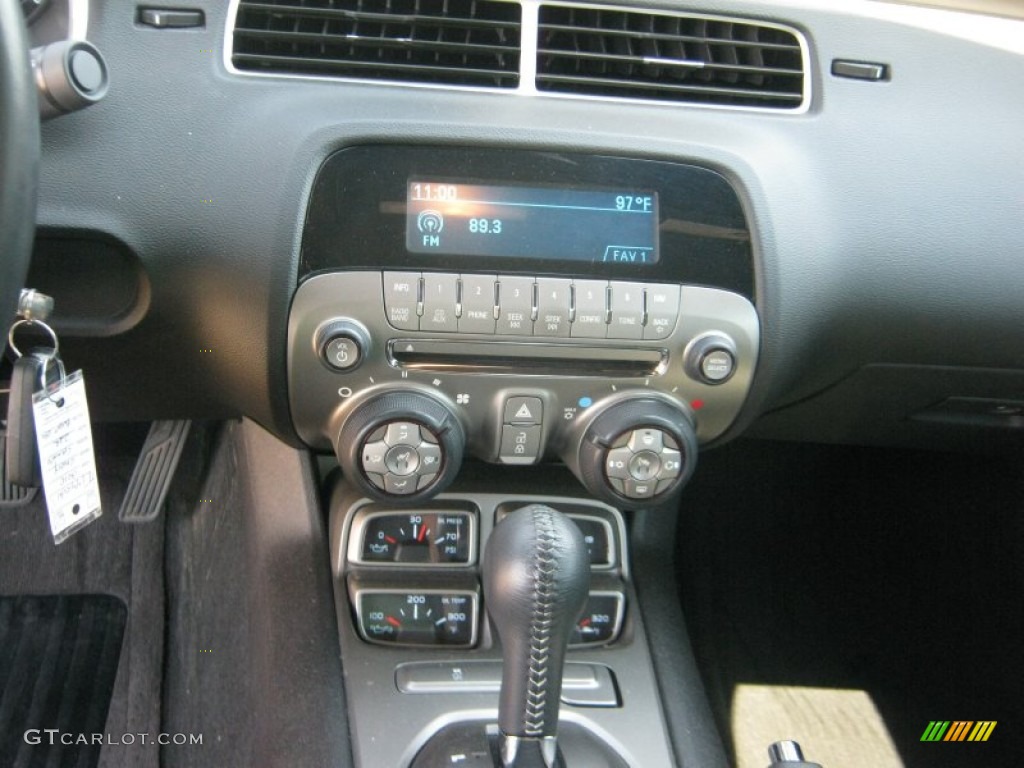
584 402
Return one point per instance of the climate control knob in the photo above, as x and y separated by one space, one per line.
401 446
637 452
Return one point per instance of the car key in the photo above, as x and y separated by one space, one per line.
22 459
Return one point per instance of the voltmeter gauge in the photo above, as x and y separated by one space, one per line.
434 537
423 617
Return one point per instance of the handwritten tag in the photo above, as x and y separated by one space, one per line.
66 457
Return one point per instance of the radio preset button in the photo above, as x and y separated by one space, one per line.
401 297
552 307
515 306
478 304
662 307
439 303
627 306
590 309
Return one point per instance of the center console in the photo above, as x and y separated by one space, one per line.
465 310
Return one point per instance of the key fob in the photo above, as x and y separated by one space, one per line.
22 459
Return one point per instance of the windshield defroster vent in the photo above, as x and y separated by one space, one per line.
451 42
625 54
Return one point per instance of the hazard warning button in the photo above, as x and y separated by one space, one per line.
523 410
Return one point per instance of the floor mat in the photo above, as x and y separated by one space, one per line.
875 577
58 662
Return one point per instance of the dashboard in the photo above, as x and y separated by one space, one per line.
416 237
882 255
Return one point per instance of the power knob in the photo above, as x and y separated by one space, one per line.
637 452
401 446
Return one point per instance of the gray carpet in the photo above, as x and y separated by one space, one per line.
105 558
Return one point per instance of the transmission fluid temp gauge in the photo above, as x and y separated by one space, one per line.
420 617
420 537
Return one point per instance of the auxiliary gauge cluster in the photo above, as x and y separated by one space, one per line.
413 574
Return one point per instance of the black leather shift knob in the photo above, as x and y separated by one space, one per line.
536 578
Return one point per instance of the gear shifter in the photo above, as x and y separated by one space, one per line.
536 578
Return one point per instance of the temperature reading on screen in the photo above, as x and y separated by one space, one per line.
634 203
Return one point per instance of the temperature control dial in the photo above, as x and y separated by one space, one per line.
401 446
637 452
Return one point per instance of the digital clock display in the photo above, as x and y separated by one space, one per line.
574 224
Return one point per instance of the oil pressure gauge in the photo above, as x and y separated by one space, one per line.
428 537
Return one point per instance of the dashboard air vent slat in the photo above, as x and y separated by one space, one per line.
451 42
668 57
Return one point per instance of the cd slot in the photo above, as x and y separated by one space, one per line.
512 357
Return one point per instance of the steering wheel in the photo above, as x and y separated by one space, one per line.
19 156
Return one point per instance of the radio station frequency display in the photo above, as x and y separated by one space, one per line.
577 224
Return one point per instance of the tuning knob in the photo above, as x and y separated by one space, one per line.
637 452
401 446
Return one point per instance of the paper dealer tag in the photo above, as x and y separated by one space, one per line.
64 436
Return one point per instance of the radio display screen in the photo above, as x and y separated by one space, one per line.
576 224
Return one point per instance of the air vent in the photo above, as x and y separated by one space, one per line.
451 42
624 54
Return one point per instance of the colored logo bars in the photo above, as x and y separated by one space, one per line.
958 730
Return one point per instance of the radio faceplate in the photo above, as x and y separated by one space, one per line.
520 397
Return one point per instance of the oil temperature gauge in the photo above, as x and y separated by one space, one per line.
423 617
420 537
